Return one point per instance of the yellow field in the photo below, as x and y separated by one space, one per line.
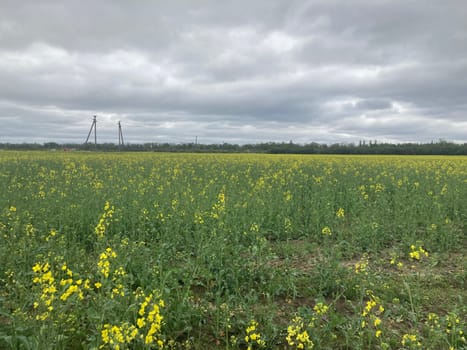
152 250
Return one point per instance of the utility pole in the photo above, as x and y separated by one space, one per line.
120 135
93 126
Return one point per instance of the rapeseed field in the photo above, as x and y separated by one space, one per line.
232 251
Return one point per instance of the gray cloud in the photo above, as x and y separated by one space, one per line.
324 71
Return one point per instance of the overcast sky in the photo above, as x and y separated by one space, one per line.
233 71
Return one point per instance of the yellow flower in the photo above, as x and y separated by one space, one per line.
321 308
340 213
221 197
140 322
409 339
70 290
87 284
297 335
361 266
37 268
252 336
417 253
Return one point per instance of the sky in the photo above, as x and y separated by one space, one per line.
233 71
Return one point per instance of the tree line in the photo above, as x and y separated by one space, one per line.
433 148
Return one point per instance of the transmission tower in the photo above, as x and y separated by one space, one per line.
93 126
120 135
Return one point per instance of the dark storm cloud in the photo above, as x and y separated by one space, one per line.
325 71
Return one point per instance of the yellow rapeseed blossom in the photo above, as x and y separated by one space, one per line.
117 337
104 261
70 290
362 265
104 220
44 278
411 341
394 261
372 313
326 231
321 308
340 213
297 335
146 332
219 207
370 304
417 253
198 219
253 336
150 319
254 227
52 234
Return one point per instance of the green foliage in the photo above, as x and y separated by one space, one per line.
140 250
440 147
